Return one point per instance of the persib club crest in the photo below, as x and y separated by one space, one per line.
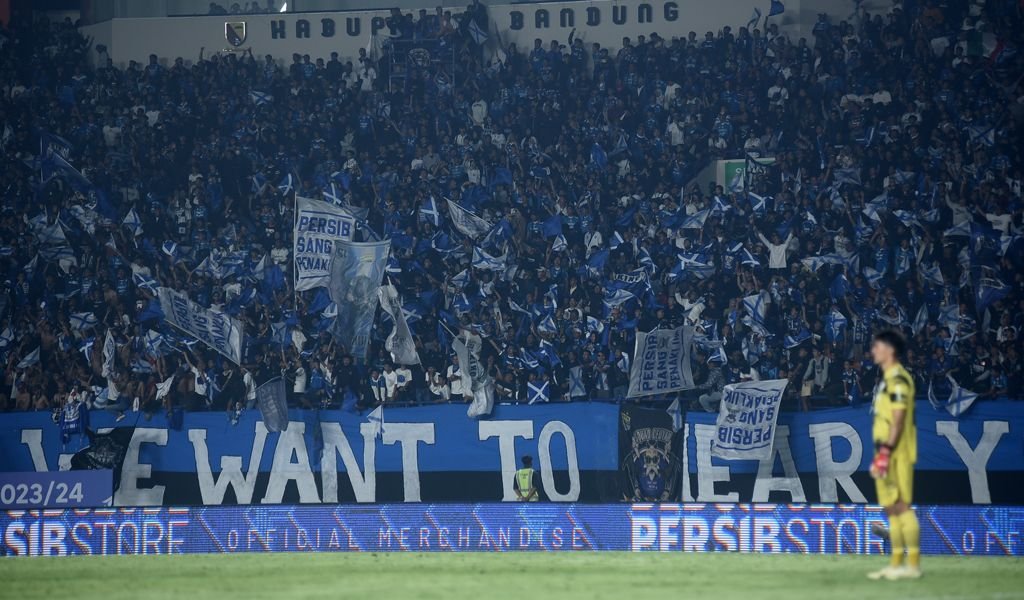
651 463
234 33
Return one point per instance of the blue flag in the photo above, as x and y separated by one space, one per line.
552 227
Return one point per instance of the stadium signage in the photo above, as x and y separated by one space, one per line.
605 22
563 15
432 453
762 528
567 16
595 14
435 454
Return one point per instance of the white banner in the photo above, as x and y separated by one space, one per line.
217 330
399 343
476 383
317 226
466 222
661 362
745 429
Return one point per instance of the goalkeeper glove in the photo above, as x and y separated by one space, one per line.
880 466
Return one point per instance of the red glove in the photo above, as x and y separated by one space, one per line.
880 466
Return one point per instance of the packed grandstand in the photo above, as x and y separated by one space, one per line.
542 198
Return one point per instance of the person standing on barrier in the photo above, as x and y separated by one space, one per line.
525 483
713 386
895 437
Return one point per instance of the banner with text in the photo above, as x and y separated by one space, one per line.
605 22
435 454
356 273
217 330
56 489
746 419
661 362
536 527
429 454
318 225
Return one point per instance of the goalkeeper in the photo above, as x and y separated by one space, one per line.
895 437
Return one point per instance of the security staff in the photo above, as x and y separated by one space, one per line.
525 483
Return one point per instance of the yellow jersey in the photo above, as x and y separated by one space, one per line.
896 392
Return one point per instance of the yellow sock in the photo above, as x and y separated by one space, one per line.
911 530
896 537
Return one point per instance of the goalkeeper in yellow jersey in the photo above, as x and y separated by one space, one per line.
895 437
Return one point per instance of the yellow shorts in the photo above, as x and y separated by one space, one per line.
898 485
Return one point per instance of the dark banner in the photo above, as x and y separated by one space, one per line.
652 455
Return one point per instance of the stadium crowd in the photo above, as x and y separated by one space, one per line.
893 200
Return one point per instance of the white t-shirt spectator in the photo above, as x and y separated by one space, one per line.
111 135
390 383
299 387
439 387
478 112
776 252
403 377
368 75
378 386
778 94
250 387
675 132
455 380
200 381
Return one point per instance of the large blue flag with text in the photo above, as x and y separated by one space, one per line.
356 272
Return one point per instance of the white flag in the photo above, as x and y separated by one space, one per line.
30 359
466 222
745 429
164 387
399 343
959 398
109 350
676 413
376 418
476 383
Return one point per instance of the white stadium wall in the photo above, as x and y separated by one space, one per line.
319 34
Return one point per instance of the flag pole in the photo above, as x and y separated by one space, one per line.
295 216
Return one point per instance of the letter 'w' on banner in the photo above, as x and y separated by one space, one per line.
661 362
356 273
745 429
217 330
270 397
318 225
400 343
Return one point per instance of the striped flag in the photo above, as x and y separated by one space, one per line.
478 33
82 321
32 358
133 223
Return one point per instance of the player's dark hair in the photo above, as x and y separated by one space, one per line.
893 339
